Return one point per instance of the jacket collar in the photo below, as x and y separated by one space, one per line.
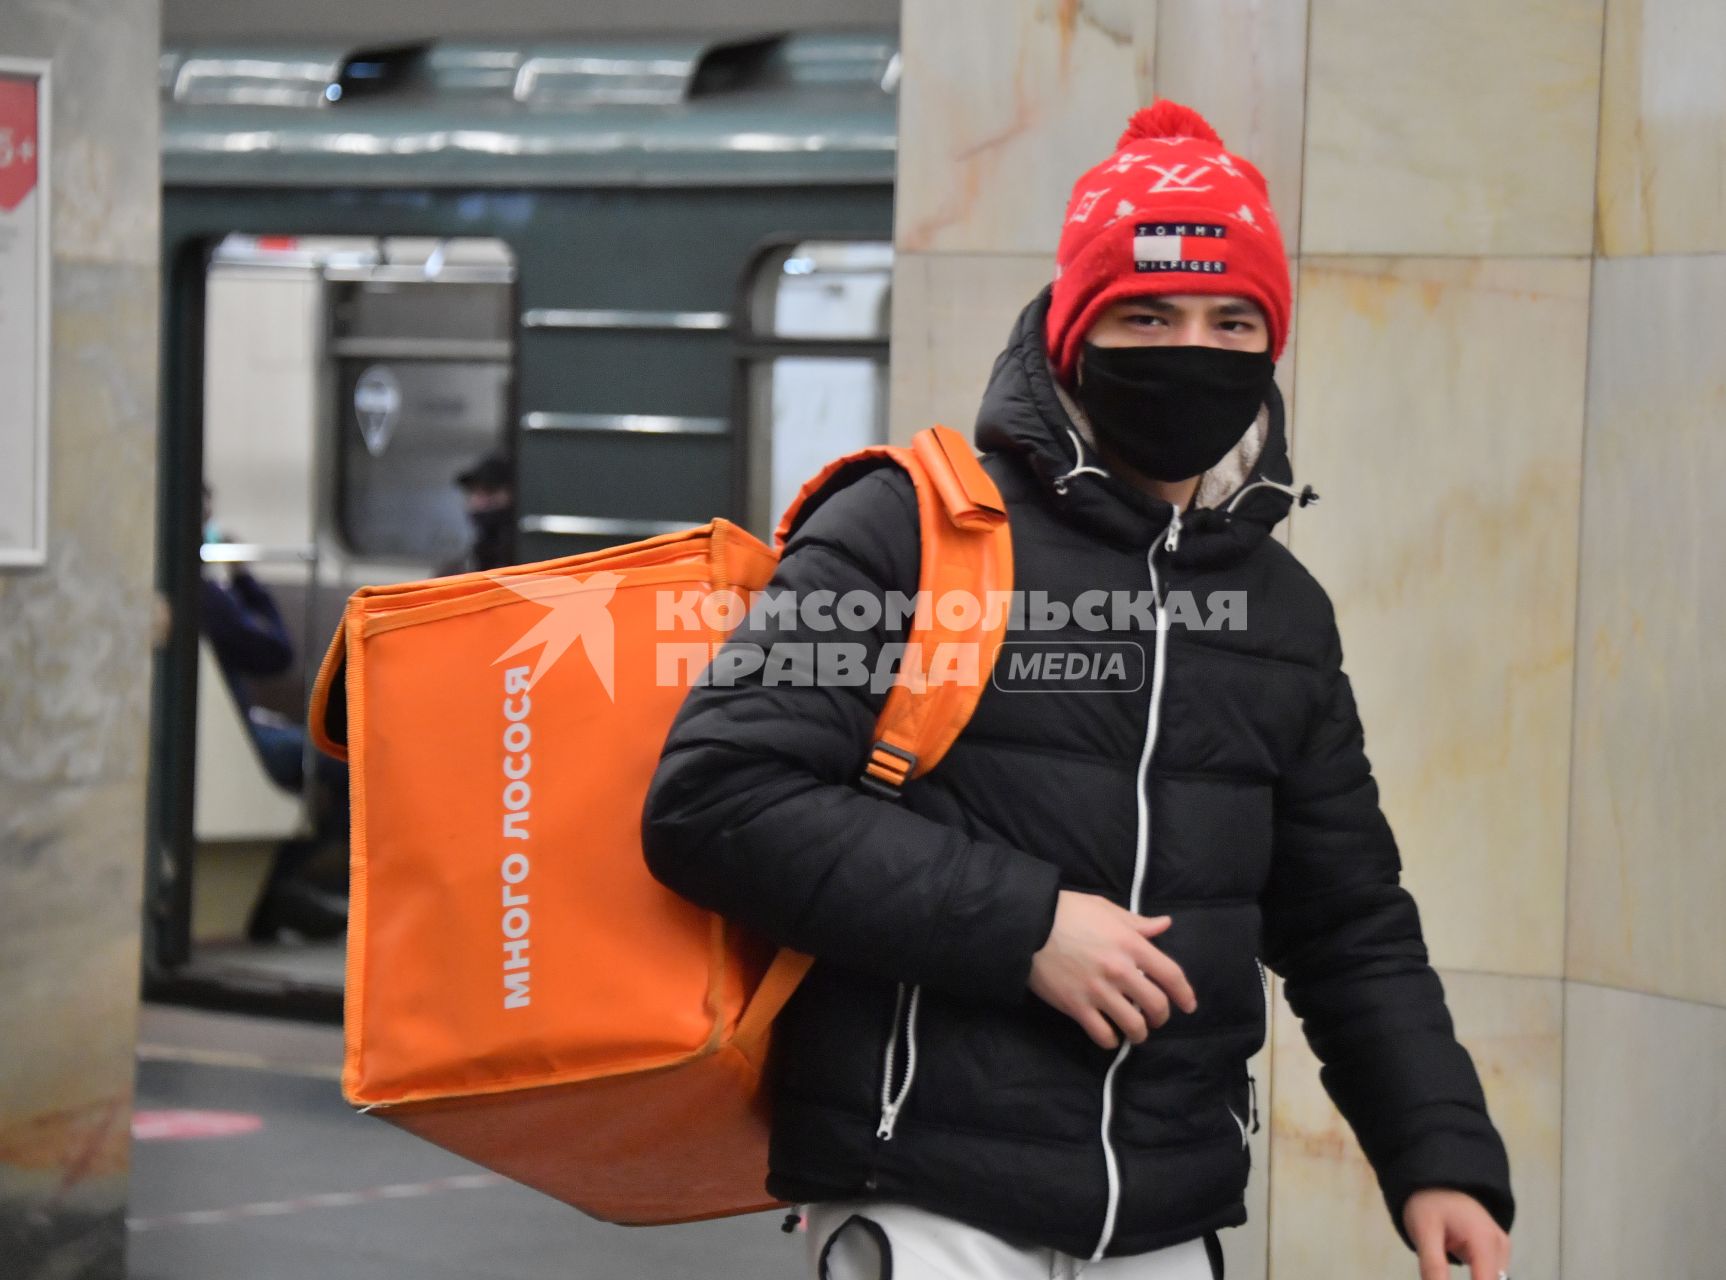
1027 413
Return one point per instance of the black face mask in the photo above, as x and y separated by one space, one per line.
1172 412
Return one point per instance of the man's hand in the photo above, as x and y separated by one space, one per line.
1440 1220
1099 968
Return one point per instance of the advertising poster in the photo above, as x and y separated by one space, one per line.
23 313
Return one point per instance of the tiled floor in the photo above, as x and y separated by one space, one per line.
318 1192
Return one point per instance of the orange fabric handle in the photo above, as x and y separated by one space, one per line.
777 985
322 690
967 494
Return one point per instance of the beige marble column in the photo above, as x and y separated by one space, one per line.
1645 1024
1446 223
1509 224
1442 403
74 662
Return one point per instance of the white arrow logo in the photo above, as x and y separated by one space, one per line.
577 609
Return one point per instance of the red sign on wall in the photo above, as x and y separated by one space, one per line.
24 303
18 142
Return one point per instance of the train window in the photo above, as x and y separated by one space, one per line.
818 320
408 427
422 348
824 289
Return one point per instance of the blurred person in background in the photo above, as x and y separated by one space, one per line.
244 626
488 494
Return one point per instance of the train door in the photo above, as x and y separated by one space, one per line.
356 398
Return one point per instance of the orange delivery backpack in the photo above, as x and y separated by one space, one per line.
520 989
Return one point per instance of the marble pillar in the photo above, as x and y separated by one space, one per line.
75 661
1508 226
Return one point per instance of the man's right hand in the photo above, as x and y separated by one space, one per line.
1099 968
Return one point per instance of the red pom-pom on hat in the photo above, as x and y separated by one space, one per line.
1166 119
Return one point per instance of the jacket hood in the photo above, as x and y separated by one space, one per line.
1026 412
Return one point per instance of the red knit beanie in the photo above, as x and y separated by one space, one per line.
1170 212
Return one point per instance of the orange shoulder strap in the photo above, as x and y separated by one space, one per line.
961 615
955 636
956 632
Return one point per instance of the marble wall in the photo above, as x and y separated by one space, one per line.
1508 225
74 662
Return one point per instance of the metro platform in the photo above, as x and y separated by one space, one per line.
247 1163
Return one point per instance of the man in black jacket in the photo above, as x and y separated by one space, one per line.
1022 1048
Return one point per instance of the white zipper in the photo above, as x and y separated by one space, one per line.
1141 857
1265 986
891 1103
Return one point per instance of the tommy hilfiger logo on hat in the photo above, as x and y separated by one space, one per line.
1179 246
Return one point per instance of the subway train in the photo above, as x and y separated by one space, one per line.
641 283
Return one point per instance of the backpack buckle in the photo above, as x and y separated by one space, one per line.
888 769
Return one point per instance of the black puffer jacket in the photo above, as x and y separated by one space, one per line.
1230 780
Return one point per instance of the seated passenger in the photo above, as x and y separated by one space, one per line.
244 626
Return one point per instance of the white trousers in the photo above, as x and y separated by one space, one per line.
885 1240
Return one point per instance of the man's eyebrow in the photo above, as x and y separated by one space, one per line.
1232 309
1151 304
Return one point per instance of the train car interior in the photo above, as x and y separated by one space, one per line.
382 369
